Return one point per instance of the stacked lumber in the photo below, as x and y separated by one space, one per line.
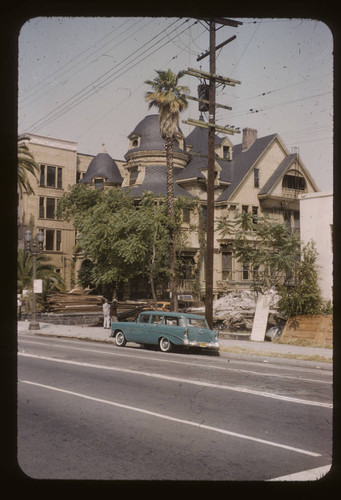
74 302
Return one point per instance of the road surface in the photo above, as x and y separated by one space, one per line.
96 411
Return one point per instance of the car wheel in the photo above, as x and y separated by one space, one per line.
120 339
165 344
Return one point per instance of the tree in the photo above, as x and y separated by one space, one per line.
122 240
269 249
52 281
170 99
26 165
305 297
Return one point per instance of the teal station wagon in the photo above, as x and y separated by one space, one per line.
166 329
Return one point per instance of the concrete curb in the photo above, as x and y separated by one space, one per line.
264 352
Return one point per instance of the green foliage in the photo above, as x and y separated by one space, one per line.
268 248
305 297
169 98
122 240
52 281
26 165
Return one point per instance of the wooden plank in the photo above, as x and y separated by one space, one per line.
318 329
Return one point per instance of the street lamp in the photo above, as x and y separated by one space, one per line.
34 249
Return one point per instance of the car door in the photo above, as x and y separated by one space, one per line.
138 329
154 328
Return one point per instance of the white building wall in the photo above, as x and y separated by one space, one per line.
316 219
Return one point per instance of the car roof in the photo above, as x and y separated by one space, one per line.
175 314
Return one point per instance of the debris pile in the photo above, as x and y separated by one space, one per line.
234 311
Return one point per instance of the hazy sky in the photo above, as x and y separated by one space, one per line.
82 79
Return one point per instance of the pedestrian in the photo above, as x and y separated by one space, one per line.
19 304
113 310
106 314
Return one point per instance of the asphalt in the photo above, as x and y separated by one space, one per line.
267 352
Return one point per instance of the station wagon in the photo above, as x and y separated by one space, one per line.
166 329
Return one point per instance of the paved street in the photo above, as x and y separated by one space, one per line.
95 411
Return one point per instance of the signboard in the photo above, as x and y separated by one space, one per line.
261 318
37 286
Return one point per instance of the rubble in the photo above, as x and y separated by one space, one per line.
234 311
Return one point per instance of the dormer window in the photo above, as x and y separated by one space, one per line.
135 141
99 183
227 152
294 180
133 173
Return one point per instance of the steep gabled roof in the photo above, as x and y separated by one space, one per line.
193 169
155 180
242 163
103 166
280 170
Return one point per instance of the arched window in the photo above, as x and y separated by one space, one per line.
294 180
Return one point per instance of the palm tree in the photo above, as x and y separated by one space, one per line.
52 281
26 164
170 99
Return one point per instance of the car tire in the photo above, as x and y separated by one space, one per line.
120 339
165 344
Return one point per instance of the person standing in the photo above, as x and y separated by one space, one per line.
113 310
106 314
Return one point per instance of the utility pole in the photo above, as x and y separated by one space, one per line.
210 183
212 127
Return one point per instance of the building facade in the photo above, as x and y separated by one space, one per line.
316 221
259 176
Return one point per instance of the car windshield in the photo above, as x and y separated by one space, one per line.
198 322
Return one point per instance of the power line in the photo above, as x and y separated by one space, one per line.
132 93
91 89
72 61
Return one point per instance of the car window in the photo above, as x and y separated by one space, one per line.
198 322
156 319
144 318
174 321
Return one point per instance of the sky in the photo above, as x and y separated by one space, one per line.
82 79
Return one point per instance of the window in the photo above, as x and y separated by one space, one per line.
58 241
170 320
245 272
99 184
42 207
42 175
133 173
79 175
47 207
226 264
245 208
156 319
49 239
144 318
255 215
53 240
227 152
51 177
135 143
186 215
256 177
294 181
50 208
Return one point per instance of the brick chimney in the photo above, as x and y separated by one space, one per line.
249 137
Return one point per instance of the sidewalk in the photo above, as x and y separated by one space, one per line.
241 349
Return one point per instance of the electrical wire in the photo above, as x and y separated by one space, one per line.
90 89
72 61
